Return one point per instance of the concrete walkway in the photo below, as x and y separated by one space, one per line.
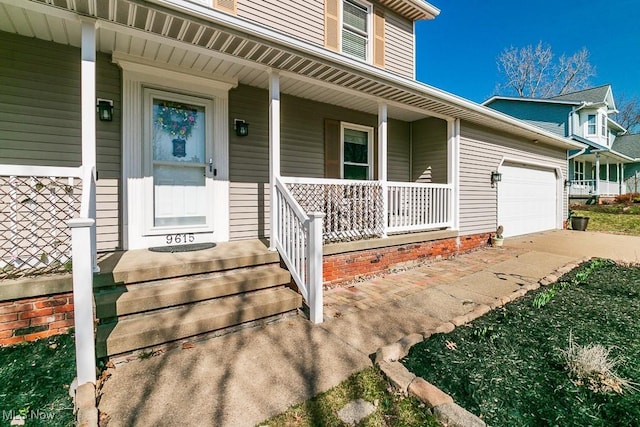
244 378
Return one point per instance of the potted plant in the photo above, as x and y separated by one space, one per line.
498 239
579 223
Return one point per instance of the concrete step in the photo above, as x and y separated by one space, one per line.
142 265
154 328
138 298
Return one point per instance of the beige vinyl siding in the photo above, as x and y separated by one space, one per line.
481 151
398 150
399 45
40 118
302 151
430 150
249 165
108 158
302 19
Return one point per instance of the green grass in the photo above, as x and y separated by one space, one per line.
619 218
509 367
391 409
34 381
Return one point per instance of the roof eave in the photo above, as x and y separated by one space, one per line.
317 53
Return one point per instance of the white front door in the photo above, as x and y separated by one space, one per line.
178 151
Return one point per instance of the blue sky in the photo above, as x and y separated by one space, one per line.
457 51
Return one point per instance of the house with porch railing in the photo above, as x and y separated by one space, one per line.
598 169
179 168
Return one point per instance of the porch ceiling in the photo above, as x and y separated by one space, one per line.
205 41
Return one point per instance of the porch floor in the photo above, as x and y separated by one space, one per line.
142 264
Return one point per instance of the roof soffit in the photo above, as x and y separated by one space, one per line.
201 27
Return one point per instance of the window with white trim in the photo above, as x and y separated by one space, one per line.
356 29
578 170
591 124
603 125
357 151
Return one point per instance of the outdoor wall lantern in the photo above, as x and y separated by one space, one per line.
567 183
496 177
105 110
241 127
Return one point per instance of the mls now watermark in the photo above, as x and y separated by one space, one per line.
19 417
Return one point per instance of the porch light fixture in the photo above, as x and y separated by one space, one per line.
241 127
105 110
567 183
496 177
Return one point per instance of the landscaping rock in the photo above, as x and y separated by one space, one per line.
399 349
479 311
355 411
454 415
86 396
397 374
460 320
87 417
445 328
552 278
531 286
429 394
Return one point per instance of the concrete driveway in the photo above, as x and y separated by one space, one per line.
580 244
246 377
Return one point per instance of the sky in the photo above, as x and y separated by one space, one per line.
457 51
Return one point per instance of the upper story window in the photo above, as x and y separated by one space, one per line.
603 125
591 124
356 29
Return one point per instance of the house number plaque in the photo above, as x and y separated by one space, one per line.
179 238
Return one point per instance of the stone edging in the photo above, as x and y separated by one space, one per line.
85 406
443 405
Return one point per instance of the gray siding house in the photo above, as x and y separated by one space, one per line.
294 126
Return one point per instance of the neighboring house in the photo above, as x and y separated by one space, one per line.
629 145
582 116
238 120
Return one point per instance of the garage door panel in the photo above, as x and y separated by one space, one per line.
527 200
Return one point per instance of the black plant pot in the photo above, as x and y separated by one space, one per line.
579 223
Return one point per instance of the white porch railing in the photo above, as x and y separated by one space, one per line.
418 206
299 242
354 209
582 187
35 204
587 187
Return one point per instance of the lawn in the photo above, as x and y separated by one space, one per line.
510 367
35 379
618 219
392 409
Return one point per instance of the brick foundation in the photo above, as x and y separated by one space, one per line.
348 266
34 318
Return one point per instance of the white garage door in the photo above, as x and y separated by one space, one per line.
527 200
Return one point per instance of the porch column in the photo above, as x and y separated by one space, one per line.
83 243
382 163
597 182
453 172
88 117
274 151
621 178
